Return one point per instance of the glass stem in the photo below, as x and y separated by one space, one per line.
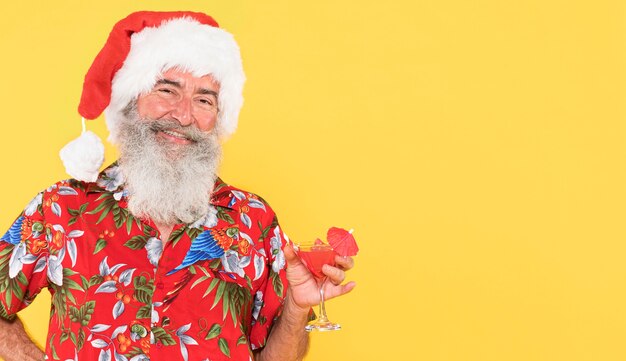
322 306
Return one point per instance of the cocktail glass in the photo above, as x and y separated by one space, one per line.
314 257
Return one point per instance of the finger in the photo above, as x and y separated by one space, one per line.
297 273
293 261
290 255
335 275
332 291
344 262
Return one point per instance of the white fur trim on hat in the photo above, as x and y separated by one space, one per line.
191 46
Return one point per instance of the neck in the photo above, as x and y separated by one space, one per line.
165 230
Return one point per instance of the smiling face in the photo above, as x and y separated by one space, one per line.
169 170
181 97
169 148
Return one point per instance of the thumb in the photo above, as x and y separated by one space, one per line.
290 255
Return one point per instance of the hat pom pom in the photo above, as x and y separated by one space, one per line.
83 157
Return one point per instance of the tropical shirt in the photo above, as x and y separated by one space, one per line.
212 293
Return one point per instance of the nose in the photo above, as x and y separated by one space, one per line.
182 112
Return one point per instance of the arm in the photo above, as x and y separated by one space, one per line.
21 281
15 344
288 341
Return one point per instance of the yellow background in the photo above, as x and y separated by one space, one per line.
477 147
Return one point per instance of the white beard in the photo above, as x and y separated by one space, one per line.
168 183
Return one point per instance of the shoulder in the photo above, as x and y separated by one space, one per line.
229 196
57 198
67 190
109 180
68 187
242 207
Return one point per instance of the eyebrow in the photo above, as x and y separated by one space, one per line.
176 84
168 82
206 91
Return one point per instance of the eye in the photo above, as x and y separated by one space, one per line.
207 102
165 91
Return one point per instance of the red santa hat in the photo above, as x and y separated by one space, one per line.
139 48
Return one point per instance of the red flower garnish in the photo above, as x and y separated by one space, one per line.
342 241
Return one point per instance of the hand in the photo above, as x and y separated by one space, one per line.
304 288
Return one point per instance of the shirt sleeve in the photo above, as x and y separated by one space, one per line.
23 259
268 301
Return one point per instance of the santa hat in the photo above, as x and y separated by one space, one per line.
139 48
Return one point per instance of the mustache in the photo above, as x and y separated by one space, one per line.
191 132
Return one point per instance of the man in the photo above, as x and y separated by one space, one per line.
156 258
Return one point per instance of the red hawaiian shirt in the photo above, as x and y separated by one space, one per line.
211 294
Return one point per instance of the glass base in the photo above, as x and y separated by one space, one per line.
322 325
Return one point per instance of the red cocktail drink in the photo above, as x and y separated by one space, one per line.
314 257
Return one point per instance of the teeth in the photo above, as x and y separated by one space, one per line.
174 134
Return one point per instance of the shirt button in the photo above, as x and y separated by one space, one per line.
160 285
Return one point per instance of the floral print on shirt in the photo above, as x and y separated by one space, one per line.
212 293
